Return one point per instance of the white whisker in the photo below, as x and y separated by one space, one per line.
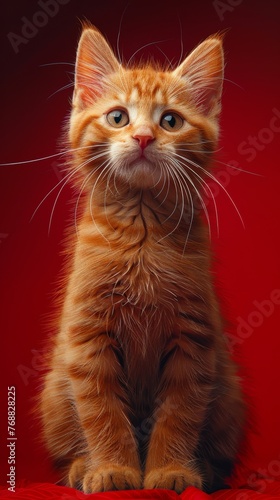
119 34
85 181
57 63
108 188
106 166
43 158
65 87
207 190
238 168
225 191
163 186
64 180
82 165
211 176
184 190
187 190
172 175
143 47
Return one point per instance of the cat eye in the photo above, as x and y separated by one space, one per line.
171 122
117 118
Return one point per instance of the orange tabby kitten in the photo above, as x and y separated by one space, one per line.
141 391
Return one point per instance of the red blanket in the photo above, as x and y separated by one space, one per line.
269 489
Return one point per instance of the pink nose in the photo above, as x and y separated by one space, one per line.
143 140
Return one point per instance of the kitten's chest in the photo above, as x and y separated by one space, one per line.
137 282
149 276
133 290
145 303
141 294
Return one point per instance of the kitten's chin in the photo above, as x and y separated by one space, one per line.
140 174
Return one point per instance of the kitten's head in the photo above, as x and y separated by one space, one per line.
145 126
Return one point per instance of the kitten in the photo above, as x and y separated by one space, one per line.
141 391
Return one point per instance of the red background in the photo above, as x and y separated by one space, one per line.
247 260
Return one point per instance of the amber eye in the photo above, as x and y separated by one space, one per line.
117 118
171 122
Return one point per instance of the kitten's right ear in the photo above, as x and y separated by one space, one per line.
94 62
203 72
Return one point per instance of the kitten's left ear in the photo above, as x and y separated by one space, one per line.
203 71
95 61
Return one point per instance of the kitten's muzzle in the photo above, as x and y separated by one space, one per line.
143 140
144 135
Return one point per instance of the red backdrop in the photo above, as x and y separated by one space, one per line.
34 106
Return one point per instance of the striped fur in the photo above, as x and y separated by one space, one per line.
141 391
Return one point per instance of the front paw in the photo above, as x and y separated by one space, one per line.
77 472
173 477
112 477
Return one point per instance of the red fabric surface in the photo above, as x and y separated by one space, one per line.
247 267
44 491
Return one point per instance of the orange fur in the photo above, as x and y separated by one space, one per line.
141 391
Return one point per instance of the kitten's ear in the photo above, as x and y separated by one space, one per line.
94 62
203 71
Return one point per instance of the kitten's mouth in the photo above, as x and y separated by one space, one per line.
140 171
142 167
142 161
142 158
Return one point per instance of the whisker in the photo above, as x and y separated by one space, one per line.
169 65
144 47
234 83
211 176
185 187
201 201
172 175
181 42
65 87
206 189
111 173
239 169
102 173
43 158
164 183
226 192
199 150
85 181
184 190
82 165
57 63
64 179
119 33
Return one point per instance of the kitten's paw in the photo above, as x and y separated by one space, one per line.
173 477
112 477
77 472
